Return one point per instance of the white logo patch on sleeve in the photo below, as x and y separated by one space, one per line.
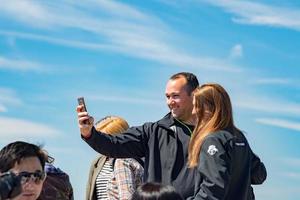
212 149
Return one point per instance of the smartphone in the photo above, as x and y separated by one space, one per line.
81 102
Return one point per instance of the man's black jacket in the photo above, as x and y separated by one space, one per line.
163 144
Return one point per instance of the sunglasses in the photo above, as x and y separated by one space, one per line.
36 177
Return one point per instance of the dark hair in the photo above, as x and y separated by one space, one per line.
155 191
14 152
192 81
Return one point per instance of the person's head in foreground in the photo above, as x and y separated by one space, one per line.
27 161
156 191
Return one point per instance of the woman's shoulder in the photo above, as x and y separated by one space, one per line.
221 135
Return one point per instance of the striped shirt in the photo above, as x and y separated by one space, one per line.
104 176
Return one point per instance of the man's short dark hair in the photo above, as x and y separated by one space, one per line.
192 81
14 152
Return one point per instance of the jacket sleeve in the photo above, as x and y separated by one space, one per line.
131 143
213 168
258 170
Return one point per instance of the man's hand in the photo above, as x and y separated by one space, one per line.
85 122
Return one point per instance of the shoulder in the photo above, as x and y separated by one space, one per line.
221 136
217 142
166 121
97 160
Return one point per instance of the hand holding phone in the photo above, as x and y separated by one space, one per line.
85 121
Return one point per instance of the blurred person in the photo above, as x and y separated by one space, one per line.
112 178
225 164
156 191
26 161
163 143
57 184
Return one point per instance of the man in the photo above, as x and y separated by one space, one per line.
27 161
164 143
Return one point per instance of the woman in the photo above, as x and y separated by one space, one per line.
225 164
112 178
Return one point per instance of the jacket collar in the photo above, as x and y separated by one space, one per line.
167 121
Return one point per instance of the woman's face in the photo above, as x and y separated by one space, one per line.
31 187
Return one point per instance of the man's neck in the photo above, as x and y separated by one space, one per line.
190 121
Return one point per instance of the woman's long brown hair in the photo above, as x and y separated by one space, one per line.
214 112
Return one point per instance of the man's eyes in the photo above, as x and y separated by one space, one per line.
175 96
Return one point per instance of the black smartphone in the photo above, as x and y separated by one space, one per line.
81 102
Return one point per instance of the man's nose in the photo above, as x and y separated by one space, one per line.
171 101
29 185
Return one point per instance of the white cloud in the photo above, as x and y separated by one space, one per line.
14 128
249 12
134 100
53 40
236 51
282 123
8 97
2 108
273 81
16 64
293 175
292 162
126 30
122 10
264 104
276 190
26 11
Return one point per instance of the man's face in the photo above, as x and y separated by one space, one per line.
178 100
31 188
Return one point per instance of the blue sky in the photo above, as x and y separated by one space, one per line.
119 55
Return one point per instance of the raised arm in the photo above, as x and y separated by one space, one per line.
129 144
